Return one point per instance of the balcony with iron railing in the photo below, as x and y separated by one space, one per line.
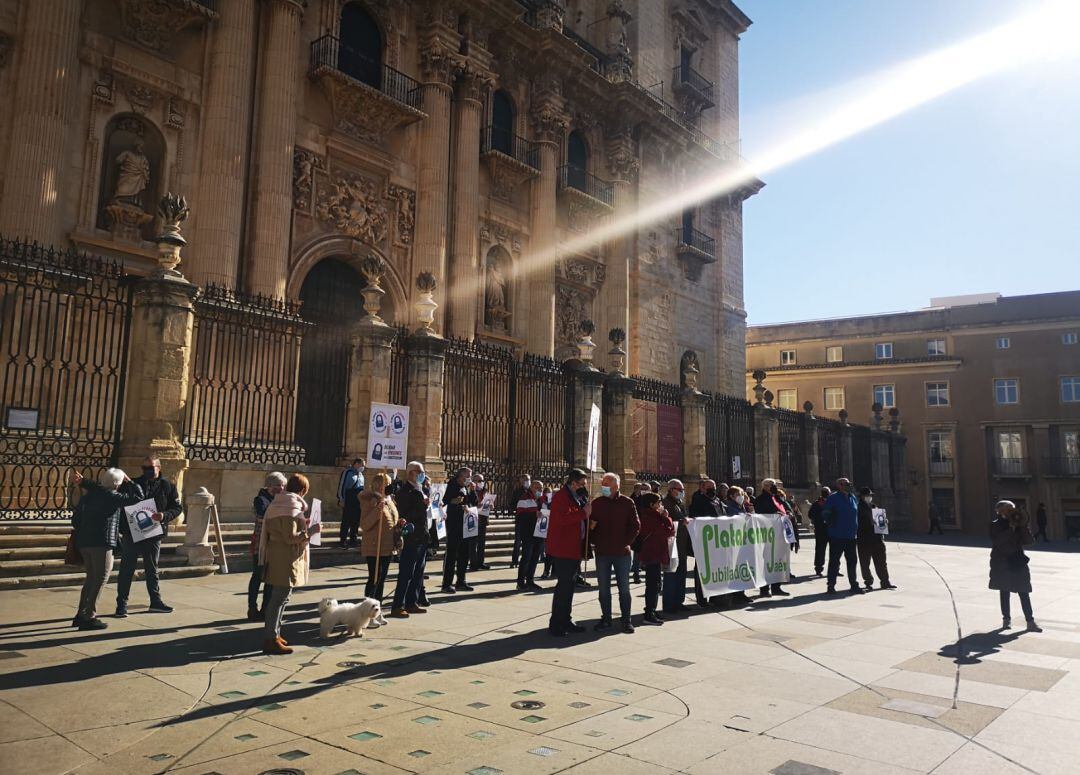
503 141
575 179
328 53
1011 467
941 468
689 237
1067 465
694 86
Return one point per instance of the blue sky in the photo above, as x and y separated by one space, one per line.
977 191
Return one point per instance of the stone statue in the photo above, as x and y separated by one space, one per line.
132 175
496 295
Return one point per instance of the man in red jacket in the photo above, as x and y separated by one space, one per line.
615 525
570 508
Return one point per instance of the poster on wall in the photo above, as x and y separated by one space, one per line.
388 436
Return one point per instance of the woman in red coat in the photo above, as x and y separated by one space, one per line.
656 529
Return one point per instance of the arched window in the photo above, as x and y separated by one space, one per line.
502 122
360 54
577 159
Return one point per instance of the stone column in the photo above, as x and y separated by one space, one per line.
48 51
618 435
465 270
766 444
275 135
225 128
197 520
695 463
615 292
812 460
427 369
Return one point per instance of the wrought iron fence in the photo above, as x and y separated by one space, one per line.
698 240
684 74
793 438
65 320
729 439
242 403
862 474
399 367
330 53
830 451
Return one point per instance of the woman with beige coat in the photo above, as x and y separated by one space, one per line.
283 553
378 520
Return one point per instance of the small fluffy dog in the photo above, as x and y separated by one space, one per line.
354 616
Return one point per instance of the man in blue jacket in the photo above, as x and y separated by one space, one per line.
841 514
350 485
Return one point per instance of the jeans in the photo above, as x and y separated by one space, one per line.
373 588
530 556
846 547
1025 604
279 596
652 586
675 586
410 580
98 562
621 566
562 600
130 552
456 558
253 588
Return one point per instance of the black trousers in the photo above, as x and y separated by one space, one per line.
846 547
562 600
873 550
130 552
456 557
652 586
520 537
1025 604
530 556
935 524
374 589
350 517
253 587
821 542
479 544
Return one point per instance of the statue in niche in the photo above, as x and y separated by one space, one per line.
131 179
496 293
132 175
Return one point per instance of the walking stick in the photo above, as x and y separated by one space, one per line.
378 554
217 536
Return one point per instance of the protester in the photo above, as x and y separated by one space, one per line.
871 544
735 505
771 503
272 485
96 528
412 505
705 503
523 493
612 529
379 526
1009 572
283 552
532 546
479 546
350 485
548 568
675 581
934 514
570 508
459 495
842 518
641 488
656 529
1040 522
821 530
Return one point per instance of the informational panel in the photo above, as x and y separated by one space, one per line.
592 456
388 436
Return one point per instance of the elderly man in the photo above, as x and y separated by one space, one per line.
272 485
523 513
675 583
821 530
771 503
167 505
842 519
412 505
614 526
570 508
459 495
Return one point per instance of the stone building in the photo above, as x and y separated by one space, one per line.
988 389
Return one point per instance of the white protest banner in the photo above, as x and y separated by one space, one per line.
488 504
542 524
388 436
592 452
739 553
315 518
140 520
470 524
736 467
881 522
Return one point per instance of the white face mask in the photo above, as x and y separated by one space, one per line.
867 499
679 495
740 499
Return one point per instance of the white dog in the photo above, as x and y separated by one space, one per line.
355 616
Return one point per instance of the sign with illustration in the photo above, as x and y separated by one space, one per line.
141 521
388 436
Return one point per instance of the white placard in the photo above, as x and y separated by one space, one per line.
527 503
592 453
470 523
881 522
789 531
140 520
436 510
22 419
736 467
541 529
388 436
315 518
673 555
487 504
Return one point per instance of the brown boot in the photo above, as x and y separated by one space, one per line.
415 609
282 641
399 613
275 648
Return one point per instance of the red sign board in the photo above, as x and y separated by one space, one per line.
669 439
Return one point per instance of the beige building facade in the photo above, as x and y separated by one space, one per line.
987 388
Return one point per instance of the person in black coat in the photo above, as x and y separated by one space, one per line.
167 501
412 504
821 530
871 545
458 496
771 501
705 503
1009 572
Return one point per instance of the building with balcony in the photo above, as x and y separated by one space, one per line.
988 390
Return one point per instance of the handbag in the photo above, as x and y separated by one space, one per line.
72 555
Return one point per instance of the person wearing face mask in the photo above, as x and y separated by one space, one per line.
412 506
523 511
167 502
821 530
656 529
570 509
675 582
841 514
614 527
528 511
1009 571
350 485
770 502
871 545
272 485
705 503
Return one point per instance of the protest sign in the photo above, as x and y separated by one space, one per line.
487 504
739 553
388 436
315 518
881 522
542 524
140 520
470 526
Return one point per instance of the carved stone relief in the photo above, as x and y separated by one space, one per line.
498 268
154 23
572 307
130 179
406 214
353 206
305 163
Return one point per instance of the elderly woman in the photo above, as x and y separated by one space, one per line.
378 518
283 553
1009 534
96 524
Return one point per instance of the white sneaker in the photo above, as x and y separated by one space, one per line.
381 619
374 624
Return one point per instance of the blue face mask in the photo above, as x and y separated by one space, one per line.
605 491
421 478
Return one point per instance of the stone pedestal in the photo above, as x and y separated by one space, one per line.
588 390
369 382
427 364
196 546
766 444
695 463
618 452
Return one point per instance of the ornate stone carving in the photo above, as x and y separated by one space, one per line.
361 110
581 271
498 235
551 14
548 121
406 214
426 305
497 293
373 269
176 113
572 307
103 89
622 157
474 84
352 206
690 370
172 210
759 389
438 62
142 98
305 163
153 23
132 175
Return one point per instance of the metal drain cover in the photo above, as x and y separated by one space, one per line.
527 705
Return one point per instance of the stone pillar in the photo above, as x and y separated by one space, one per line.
847 449
614 307
48 56
465 269
427 365
618 434
225 128
813 462
695 461
275 135
766 444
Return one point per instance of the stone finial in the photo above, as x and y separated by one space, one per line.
689 370
425 306
372 268
617 355
876 421
808 407
172 210
585 345
843 415
894 420
759 389
769 398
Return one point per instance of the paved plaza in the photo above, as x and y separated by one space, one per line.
800 686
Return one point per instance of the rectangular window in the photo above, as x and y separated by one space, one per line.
1070 390
1010 445
935 347
834 354
940 445
1068 338
937 393
789 399
787 357
1070 441
883 350
1007 391
885 395
834 399
1003 343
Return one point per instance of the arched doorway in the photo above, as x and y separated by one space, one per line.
502 123
360 53
332 304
